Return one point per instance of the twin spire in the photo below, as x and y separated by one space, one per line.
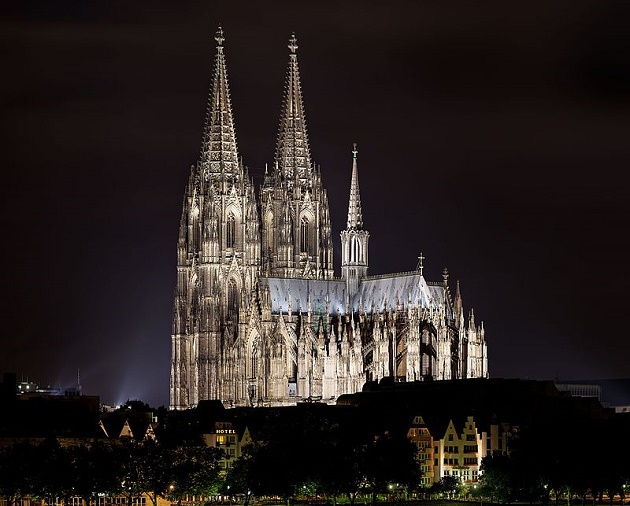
293 157
219 154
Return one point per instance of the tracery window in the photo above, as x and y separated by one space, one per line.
304 242
254 364
232 302
269 231
230 231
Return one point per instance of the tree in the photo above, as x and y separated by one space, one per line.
16 471
130 469
157 462
195 470
496 478
344 473
52 470
451 485
390 460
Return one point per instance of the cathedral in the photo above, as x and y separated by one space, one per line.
259 318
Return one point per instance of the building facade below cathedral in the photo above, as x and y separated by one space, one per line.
258 316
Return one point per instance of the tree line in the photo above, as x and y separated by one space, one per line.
578 462
48 471
310 456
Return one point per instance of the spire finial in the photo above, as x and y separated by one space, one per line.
354 150
293 43
420 267
445 275
219 36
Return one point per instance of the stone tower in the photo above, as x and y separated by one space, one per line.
218 257
296 230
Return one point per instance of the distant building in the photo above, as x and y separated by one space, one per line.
128 425
421 437
230 440
577 390
612 393
258 316
459 452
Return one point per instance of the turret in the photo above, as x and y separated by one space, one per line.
218 253
354 240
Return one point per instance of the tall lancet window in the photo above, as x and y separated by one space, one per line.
230 231
269 231
232 299
254 364
304 242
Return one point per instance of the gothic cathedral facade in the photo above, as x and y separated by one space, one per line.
259 317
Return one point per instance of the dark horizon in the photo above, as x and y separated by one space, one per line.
492 138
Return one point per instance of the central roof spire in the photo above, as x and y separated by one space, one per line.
355 218
219 155
293 156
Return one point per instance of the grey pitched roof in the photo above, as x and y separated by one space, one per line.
296 292
376 293
393 289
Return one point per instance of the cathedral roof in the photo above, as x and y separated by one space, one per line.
391 290
298 293
375 294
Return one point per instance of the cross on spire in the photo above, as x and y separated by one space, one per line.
219 36
420 266
293 43
354 150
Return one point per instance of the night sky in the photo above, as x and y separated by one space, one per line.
493 137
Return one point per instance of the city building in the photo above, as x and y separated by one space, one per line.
420 436
459 452
259 318
229 439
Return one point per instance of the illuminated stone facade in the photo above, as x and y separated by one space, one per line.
258 316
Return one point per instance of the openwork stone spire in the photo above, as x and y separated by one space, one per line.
293 157
354 240
219 156
355 218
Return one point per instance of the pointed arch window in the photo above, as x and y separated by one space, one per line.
230 231
254 364
269 231
232 299
304 231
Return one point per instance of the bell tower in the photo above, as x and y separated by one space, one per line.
296 229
